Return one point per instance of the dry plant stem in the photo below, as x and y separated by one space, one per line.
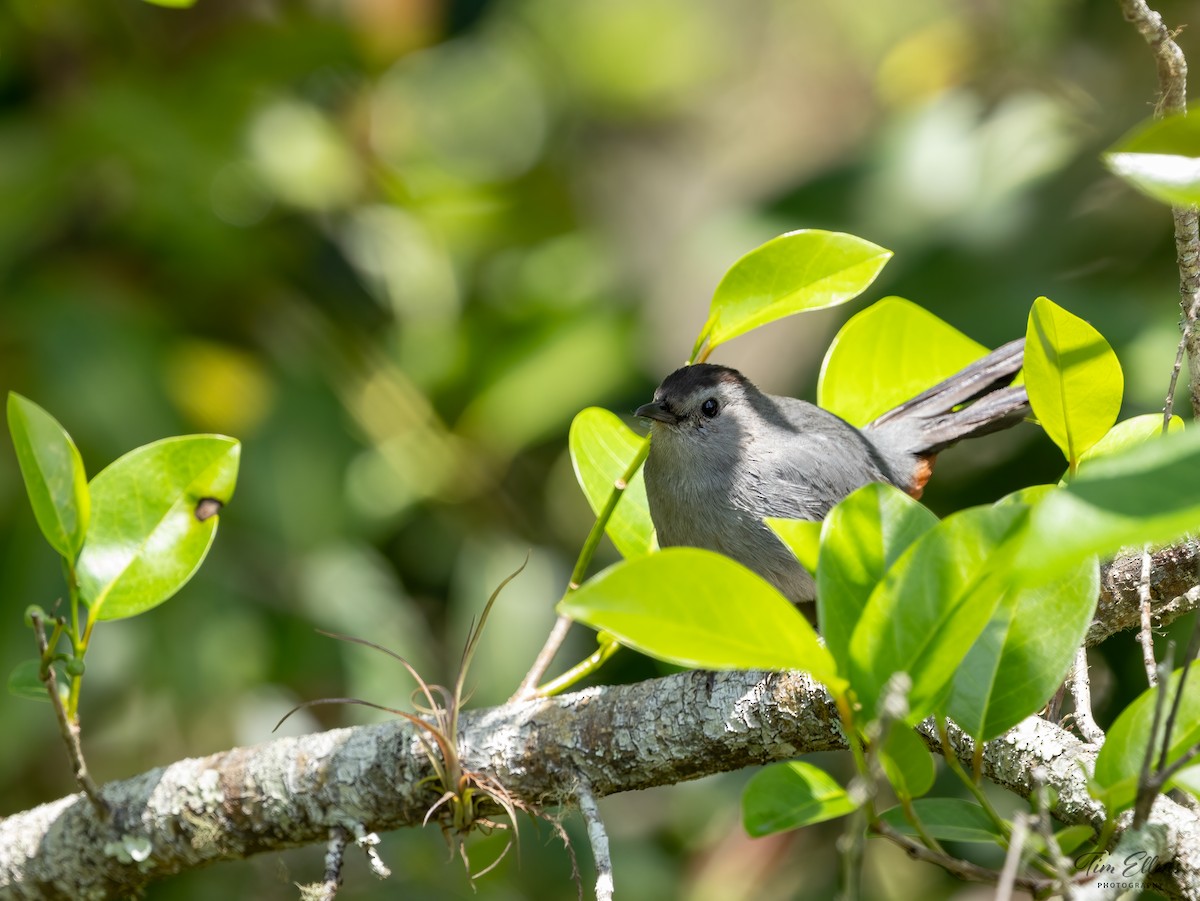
1062 865
68 727
1012 860
1172 98
1146 632
598 837
1081 694
1148 783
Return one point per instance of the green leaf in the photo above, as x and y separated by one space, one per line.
1187 779
931 606
907 762
887 354
1145 495
25 681
1073 378
802 536
1128 434
789 795
1119 762
1161 158
149 531
53 473
946 819
698 608
1017 663
175 4
860 540
802 270
602 447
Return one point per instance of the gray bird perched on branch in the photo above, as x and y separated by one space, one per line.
724 455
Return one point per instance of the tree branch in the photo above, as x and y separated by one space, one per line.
293 791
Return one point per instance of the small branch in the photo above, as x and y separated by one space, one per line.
1149 786
1063 870
1146 632
1081 694
335 855
1012 860
599 840
68 727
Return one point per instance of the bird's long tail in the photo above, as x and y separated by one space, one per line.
978 400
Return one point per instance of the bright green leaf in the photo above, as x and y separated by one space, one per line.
789 795
946 819
1161 158
1130 433
931 606
802 270
1017 663
602 447
887 354
1071 838
907 762
53 473
698 608
860 540
1146 495
1187 779
149 529
1073 378
802 536
1119 763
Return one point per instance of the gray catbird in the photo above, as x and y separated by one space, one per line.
724 455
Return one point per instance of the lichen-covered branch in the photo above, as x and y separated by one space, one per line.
294 791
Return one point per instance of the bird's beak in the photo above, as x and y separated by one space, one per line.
656 411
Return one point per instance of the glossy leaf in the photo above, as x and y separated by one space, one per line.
1119 762
932 605
1148 494
602 448
1128 434
149 529
907 762
1073 378
946 819
1161 158
1018 663
53 473
802 270
887 354
789 795
860 540
802 536
698 608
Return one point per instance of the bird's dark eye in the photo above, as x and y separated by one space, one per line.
709 407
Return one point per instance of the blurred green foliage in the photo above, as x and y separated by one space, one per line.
395 245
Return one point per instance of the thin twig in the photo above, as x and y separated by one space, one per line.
67 727
1081 694
1012 860
1146 632
1148 784
599 839
1063 867
335 855
545 657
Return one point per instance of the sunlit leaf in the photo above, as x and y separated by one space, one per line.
1119 762
931 606
1129 433
802 270
1161 158
698 608
53 473
1017 663
860 540
948 820
802 536
789 795
1148 494
602 448
1073 378
907 762
154 517
890 352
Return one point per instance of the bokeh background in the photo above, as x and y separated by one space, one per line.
395 245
